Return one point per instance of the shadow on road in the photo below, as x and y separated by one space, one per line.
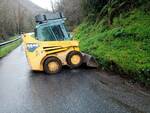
65 69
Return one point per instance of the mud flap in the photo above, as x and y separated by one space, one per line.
89 60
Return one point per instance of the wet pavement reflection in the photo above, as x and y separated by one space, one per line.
71 91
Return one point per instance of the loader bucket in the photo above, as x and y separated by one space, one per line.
89 60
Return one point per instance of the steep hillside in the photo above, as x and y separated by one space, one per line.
31 7
24 4
124 47
17 16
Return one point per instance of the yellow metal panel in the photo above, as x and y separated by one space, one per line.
45 49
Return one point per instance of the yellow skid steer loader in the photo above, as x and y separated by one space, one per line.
50 46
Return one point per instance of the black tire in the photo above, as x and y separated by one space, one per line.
54 60
70 55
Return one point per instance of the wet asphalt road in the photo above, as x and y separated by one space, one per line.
71 91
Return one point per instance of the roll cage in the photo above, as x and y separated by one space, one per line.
51 28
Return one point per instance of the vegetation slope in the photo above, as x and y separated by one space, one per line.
124 47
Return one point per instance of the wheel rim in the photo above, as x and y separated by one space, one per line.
53 66
75 59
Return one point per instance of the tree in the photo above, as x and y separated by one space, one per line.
110 8
72 10
16 17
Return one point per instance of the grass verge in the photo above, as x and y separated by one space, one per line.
4 50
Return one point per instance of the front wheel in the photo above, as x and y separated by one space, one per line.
74 59
52 65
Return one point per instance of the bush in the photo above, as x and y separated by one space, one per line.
123 48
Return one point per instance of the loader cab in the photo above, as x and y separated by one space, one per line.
51 29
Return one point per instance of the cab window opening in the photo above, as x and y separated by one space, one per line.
51 33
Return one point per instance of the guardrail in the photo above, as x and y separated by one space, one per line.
11 41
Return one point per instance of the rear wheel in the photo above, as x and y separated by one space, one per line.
52 65
74 59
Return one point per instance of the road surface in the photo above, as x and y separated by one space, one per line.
71 91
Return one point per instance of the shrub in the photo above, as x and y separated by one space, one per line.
123 48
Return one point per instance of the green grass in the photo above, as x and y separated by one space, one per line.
12 38
124 47
4 50
8 39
